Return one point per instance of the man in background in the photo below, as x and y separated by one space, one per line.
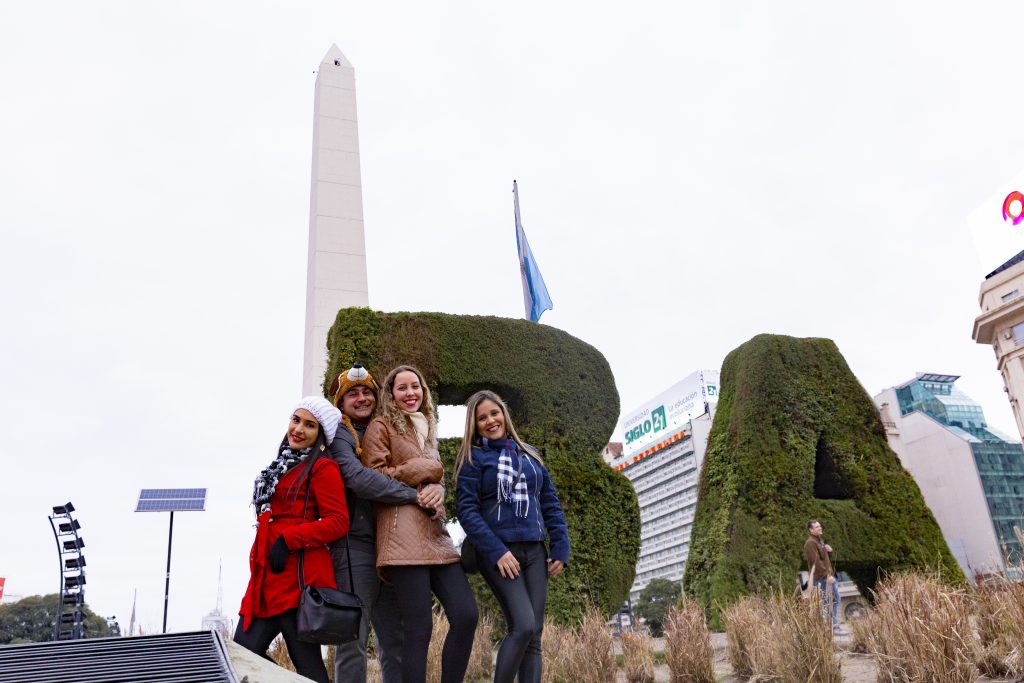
819 564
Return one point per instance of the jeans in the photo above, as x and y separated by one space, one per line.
822 585
262 631
380 608
522 601
413 585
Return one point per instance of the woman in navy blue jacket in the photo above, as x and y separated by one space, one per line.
507 505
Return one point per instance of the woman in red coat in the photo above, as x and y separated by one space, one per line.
288 523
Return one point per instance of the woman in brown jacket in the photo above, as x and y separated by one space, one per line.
414 552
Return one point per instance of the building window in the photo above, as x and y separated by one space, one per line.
1010 296
1018 333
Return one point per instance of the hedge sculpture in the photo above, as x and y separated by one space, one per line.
796 437
563 398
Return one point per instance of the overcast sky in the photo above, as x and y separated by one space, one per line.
691 174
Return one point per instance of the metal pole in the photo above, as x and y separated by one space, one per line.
167 583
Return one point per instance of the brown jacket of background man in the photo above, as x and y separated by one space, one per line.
818 561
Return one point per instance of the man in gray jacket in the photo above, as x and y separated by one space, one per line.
355 393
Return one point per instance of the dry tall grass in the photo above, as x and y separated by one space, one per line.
747 631
860 632
437 637
578 656
278 652
688 650
782 638
638 656
481 659
999 620
803 648
556 645
373 673
920 630
330 657
593 659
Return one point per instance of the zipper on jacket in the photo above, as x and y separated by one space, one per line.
536 488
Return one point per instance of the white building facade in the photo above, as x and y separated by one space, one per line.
662 453
971 476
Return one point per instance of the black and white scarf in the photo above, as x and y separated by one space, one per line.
512 489
263 490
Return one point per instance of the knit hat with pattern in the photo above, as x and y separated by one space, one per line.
327 415
355 376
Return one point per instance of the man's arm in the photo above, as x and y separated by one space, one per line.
366 483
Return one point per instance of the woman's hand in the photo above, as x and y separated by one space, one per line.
431 498
555 567
278 555
508 565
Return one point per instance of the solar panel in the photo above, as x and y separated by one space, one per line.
152 494
167 500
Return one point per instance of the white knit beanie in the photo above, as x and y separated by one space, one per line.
327 415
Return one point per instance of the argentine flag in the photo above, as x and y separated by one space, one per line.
535 292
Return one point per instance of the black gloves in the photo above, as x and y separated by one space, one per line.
278 555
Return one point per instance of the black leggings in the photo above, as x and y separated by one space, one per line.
413 586
522 602
305 656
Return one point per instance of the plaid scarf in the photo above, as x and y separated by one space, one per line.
263 490
512 486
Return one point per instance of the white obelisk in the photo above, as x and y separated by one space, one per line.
336 271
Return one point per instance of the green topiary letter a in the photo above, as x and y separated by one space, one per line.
796 437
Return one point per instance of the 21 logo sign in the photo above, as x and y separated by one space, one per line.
658 419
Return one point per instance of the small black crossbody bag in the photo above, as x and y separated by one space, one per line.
327 616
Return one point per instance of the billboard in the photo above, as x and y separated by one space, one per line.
997 226
669 411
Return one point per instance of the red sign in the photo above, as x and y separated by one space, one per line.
2 582
1013 207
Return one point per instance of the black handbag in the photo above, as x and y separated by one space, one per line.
327 616
468 557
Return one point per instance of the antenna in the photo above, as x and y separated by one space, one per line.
131 623
220 585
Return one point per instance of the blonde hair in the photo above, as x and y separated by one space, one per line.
389 409
471 434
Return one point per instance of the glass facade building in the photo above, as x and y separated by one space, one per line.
998 458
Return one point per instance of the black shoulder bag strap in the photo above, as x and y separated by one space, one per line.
302 553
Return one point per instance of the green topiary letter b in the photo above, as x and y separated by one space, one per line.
564 402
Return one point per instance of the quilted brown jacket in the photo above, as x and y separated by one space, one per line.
406 535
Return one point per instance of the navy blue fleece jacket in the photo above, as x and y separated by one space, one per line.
490 525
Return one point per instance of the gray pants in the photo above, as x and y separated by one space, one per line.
380 608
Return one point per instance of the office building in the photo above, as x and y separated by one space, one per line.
971 476
664 446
